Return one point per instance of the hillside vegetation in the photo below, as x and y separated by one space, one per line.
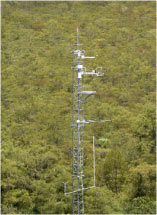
37 40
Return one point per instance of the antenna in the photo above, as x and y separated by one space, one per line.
93 161
78 123
77 36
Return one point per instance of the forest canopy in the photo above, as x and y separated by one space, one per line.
37 40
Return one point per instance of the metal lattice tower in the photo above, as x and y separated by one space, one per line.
77 134
78 123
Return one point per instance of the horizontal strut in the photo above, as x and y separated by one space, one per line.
79 190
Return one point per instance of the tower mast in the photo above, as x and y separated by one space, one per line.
77 133
78 123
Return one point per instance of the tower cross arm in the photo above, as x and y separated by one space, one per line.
93 72
87 57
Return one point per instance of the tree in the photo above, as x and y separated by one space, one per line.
140 205
114 169
141 181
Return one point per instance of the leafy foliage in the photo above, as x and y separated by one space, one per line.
140 205
37 40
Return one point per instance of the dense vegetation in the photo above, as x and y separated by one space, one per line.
37 40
